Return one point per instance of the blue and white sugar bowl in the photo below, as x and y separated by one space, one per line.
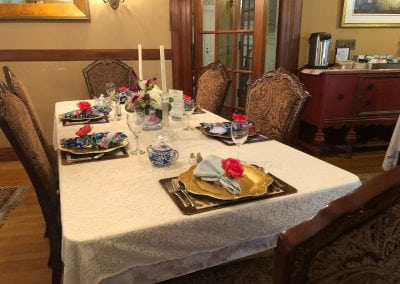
162 155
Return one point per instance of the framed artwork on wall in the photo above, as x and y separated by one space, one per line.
371 13
47 10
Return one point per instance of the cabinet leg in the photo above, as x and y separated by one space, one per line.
350 139
319 140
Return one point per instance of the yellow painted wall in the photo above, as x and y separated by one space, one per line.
134 22
325 15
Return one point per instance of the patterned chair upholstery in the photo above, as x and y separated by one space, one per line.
274 102
17 88
100 72
17 125
212 87
355 239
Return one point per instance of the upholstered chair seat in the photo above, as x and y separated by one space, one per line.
274 103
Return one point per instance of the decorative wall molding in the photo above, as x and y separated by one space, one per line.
11 55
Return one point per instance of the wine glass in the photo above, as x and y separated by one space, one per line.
239 133
135 122
110 90
188 107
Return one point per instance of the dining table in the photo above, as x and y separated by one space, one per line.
119 225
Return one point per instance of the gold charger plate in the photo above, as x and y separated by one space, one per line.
93 151
254 182
96 117
225 135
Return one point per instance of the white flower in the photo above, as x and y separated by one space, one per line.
155 97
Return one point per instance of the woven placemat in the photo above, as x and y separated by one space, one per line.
9 198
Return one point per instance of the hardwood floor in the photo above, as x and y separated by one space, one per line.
24 250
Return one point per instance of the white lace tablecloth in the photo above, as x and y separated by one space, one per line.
120 226
393 150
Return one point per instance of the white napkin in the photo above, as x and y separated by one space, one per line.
210 169
218 130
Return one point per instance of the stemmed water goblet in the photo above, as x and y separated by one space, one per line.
111 98
188 106
239 133
135 121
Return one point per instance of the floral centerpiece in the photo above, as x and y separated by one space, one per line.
147 98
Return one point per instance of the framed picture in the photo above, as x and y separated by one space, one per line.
342 54
44 10
370 13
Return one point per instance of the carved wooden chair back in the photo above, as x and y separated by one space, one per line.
18 88
103 71
355 239
274 102
17 125
212 86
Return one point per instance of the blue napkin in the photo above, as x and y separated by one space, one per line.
96 141
210 169
79 114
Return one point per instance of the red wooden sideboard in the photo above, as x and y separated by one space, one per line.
350 98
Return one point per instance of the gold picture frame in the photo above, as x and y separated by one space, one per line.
374 13
74 10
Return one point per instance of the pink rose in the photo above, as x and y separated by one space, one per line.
85 106
232 167
84 130
123 89
239 117
186 98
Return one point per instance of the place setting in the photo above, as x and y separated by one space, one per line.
214 182
233 132
85 114
96 146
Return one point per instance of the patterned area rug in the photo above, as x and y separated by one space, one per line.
9 197
367 176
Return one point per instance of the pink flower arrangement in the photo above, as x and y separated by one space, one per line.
232 167
84 130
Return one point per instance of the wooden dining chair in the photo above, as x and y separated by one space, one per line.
274 102
212 85
100 72
355 239
18 88
17 125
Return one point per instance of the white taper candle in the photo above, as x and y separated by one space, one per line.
163 75
140 62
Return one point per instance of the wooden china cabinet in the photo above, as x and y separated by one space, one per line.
349 98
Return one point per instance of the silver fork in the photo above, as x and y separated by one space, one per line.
182 189
175 190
